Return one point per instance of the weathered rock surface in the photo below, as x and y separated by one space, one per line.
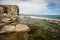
17 28
10 29
8 14
22 28
9 9
9 36
6 20
14 32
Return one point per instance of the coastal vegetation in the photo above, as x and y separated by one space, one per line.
42 29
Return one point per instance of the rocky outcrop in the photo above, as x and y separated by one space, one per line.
9 9
8 14
12 28
9 26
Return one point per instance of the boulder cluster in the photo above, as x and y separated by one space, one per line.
9 15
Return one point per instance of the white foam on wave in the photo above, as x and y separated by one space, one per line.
35 17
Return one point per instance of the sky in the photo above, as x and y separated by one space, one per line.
35 7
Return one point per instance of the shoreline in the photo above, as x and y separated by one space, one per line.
35 17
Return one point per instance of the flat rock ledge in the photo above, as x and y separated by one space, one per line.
17 28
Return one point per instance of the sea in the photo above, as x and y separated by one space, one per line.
46 16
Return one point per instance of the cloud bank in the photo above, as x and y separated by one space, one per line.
38 7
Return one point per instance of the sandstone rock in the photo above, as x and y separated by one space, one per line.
7 28
2 24
1 10
17 28
14 17
9 9
10 27
6 20
21 28
9 15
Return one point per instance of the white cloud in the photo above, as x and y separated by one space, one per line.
9 2
32 6
27 7
38 1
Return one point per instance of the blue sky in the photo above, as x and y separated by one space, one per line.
38 7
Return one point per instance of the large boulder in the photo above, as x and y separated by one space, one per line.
22 28
18 32
17 28
7 28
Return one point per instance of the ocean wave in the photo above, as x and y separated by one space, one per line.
35 17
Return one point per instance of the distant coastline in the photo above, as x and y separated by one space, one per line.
46 16
35 17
